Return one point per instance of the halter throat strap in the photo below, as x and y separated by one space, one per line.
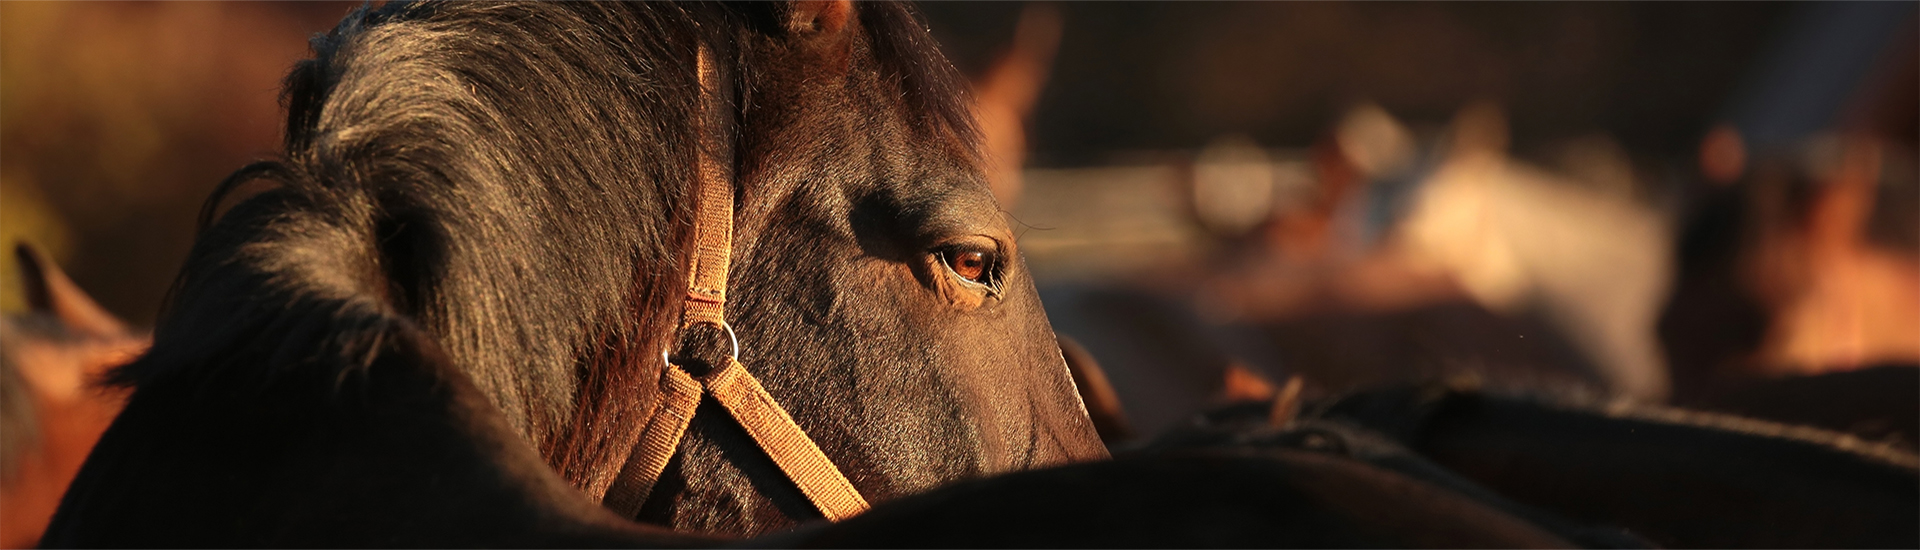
735 389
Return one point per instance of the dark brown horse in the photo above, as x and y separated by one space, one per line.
1678 478
440 320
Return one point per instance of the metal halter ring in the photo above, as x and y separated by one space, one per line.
735 340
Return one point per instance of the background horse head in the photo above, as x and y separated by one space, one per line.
506 189
51 406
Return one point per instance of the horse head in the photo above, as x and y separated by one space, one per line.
504 198
876 285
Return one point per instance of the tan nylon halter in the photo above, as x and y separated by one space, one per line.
731 385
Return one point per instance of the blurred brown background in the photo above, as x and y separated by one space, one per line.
116 119
1170 75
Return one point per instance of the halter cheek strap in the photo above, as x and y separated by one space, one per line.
730 384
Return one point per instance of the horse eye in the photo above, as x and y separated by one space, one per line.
973 265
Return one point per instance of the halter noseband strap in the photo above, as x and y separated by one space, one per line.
730 384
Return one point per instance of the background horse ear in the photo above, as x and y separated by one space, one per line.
1005 95
49 291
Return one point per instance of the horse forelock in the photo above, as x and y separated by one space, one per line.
504 177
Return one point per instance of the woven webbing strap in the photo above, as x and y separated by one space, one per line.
679 396
706 299
764 419
730 385
797 456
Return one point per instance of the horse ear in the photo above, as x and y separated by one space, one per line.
1240 384
49 291
819 17
822 26
1286 404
